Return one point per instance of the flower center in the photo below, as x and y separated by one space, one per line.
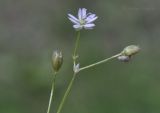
82 21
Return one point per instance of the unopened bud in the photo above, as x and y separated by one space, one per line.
76 68
57 60
130 50
124 58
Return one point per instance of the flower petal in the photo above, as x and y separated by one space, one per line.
73 17
73 21
77 27
84 10
90 20
80 14
90 15
89 26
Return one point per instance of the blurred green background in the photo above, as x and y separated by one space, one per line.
31 29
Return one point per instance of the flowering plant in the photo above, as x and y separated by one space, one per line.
83 20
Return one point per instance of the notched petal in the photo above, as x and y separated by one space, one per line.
73 21
90 20
89 26
90 15
73 17
77 27
80 14
84 11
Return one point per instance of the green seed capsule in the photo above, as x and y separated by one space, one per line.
130 50
57 60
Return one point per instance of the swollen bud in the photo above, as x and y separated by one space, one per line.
130 50
57 60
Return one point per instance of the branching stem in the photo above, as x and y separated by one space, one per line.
100 62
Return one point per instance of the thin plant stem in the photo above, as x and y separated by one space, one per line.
73 78
51 93
74 75
66 93
100 62
76 47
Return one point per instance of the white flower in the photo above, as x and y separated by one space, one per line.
76 68
85 20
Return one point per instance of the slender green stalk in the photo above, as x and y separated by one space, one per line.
51 93
66 94
73 78
100 62
76 47
74 75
